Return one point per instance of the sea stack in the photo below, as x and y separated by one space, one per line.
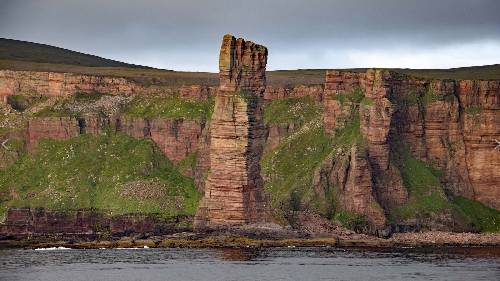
234 185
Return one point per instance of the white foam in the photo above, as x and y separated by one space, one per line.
52 249
133 248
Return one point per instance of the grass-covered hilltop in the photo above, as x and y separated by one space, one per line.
121 139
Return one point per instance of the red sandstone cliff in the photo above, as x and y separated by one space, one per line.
234 187
451 125
22 223
63 84
176 138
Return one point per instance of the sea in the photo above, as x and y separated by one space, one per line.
316 263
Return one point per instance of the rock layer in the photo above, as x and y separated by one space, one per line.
22 223
57 128
451 125
55 84
234 187
176 138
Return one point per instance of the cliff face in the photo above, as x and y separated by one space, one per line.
480 100
399 148
234 187
34 223
275 93
352 168
175 138
454 126
451 125
59 128
54 84
61 84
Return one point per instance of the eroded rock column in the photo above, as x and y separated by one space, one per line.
234 186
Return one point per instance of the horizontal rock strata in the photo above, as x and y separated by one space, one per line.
234 187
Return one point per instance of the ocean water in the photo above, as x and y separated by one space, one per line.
58 264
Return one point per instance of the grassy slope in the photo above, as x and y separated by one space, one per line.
288 78
426 196
290 167
345 136
108 172
33 52
172 107
486 72
291 110
428 199
483 218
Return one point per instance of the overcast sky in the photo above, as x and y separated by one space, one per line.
186 34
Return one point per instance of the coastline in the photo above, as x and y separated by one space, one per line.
433 239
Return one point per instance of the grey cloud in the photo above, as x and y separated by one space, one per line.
190 30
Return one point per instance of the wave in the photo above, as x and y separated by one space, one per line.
52 249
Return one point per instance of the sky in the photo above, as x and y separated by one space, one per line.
186 34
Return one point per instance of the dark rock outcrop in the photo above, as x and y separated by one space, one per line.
22 223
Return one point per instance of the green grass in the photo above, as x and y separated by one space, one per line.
60 109
473 110
348 134
8 156
63 107
291 78
88 96
247 96
411 98
171 107
290 167
486 72
348 131
366 101
420 99
188 163
355 96
23 102
426 196
349 220
291 110
431 96
112 172
34 52
4 130
482 218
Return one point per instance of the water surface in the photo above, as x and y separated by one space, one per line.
247 264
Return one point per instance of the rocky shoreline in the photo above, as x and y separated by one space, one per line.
432 239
